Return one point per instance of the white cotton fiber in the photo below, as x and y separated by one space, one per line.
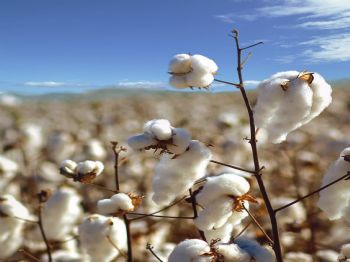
89 166
61 213
190 250
201 63
174 177
141 141
344 252
233 253
8 169
181 141
159 128
199 79
63 256
255 250
68 166
334 200
118 202
282 110
94 233
179 81
297 257
180 64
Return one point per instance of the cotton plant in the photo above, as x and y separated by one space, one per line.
119 203
12 213
8 169
83 172
223 199
192 71
159 134
289 100
334 200
102 238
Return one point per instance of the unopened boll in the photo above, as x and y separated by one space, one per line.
218 199
118 202
61 213
255 250
11 225
96 234
288 100
191 71
334 200
174 177
191 250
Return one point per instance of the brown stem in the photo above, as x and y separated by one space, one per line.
226 82
42 231
151 215
29 255
150 249
195 212
253 143
240 232
233 167
345 177
116 152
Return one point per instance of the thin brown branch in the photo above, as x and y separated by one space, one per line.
151 215
101 187
250 46
232 166
29 255
42 231
149 247
226 82
253 143
345 177
195 212
240 232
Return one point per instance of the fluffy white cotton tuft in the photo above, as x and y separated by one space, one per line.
89 166
83 172
8 169
173 177
233 253
286 101
192 71
68 166
94 233
61 213
118 202
141 141
181 141
159 128
191 250
255 250
344 252
10 227
63 256
334 200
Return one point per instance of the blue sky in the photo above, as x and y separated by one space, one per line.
65 45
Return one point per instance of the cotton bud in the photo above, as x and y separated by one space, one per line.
118 202
180 141
288 100
191 250
334 200
97 233
60 213
11 225
174 177
223 199
255 250
192 71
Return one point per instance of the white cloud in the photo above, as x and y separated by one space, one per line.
251 82
140 84
227 18
49 84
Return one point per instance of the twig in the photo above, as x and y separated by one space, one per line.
345 177
116 152
240 232
195 212
149 247
160 210
151 215
29 255
41 227
253 143
258 225
115 246
233 167
226 82
245 60
101 187
250 46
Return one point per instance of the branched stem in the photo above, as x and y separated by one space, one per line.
42 231
232 166
116 152
253 143
149 247
226 82
345 177
151 215
29 255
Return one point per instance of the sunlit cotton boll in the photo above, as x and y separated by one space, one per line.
95 149
89 166
255 250
191 250
8 169
11 237
200 63
334 200
233 253
61 212
68 166
180 141
174 177
288 100
141 141
96 234
159 128
180 64
116 203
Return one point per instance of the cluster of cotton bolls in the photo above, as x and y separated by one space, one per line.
192 71
223 199
242 250
83 172
288 100
334 200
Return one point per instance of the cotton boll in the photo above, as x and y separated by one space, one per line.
181 141
63 256
297 257
223 185
327 255
10 245
201 63
190 250
180 64
8 169
89 166
233 253
293 214
161 130
199 79
223 233
60 213
344 252
33 136
178 81
141 141
174 177
68 166
255 250
94 233
334 200
95 149
116 203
